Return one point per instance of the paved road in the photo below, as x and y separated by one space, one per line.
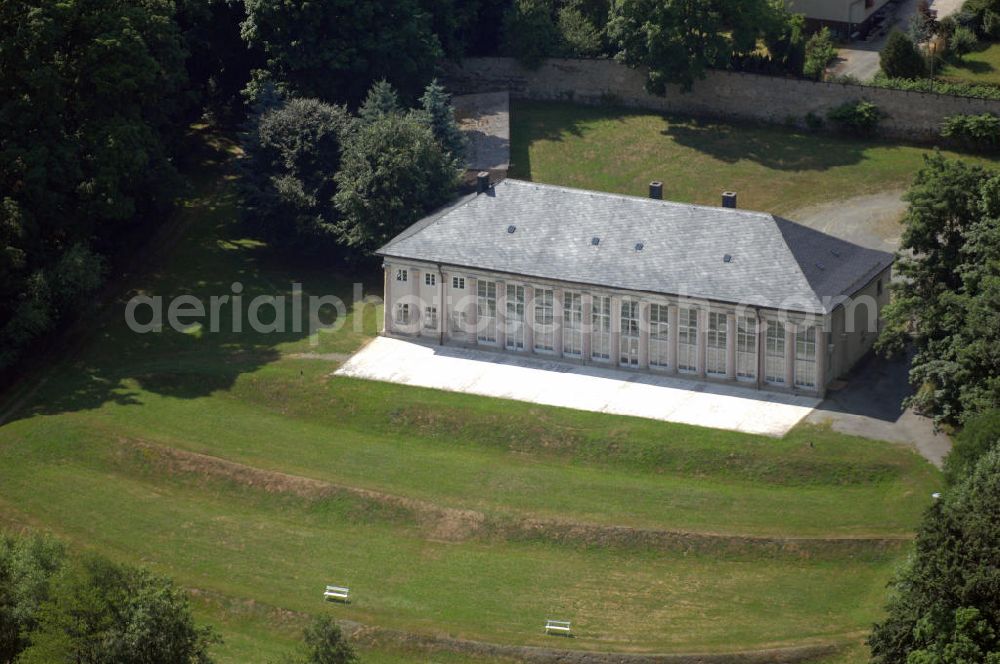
861 61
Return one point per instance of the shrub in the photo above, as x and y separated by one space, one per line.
327 644
937 87
819 52
977 131
860 117
901 59
962 41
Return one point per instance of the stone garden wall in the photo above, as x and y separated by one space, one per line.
723 94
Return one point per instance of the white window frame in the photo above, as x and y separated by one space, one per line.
543 324
402 316
600 328
486 312
746 347
459 322
687 340
774 352
805 356
514 318
458 283
716 340
628 338
572 328
659 336
430 279
430 318
402 274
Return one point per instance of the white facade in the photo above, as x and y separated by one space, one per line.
646 332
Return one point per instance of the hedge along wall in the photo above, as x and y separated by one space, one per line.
723 94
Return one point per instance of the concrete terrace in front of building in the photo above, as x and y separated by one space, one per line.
718 293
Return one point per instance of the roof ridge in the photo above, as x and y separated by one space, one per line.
635 197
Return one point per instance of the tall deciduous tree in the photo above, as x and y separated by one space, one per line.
293 152
948 301
334 50
393 172
678 40
106 613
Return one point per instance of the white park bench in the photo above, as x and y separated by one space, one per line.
338 593
557 626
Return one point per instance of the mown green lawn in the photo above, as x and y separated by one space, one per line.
981 66
78 458
773 169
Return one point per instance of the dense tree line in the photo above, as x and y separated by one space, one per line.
947 302
91 92
944 606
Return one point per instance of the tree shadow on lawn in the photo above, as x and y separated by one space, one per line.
786 149
532 121
779 148
118 364
972 67
209 252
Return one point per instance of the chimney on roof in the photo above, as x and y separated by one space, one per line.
482 182
656 190
729 199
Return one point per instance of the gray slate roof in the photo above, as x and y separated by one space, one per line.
775 263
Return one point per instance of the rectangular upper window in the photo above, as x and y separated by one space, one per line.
430 279
458 283
401 275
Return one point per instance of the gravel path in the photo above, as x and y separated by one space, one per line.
871 221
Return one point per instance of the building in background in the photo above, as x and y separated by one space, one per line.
845 17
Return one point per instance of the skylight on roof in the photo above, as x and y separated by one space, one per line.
727 258
639 246
511 228
595 241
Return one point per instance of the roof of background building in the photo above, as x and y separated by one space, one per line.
642 244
